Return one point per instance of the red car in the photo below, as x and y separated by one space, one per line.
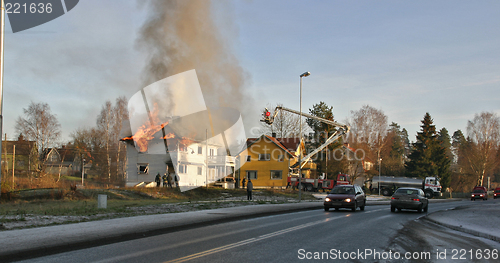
479 192
345 196
496 193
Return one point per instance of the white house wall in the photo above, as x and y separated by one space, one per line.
157 163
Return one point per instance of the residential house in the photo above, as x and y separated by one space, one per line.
267 161
61 161
22 152
192 162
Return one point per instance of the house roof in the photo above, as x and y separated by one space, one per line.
22 147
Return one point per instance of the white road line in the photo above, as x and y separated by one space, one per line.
252 240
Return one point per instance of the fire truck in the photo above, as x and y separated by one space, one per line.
311 184
314 185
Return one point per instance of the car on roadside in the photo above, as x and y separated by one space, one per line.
496 193
345 196
409 198
479 193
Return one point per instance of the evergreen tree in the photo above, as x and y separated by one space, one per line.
393 154
321 132
428 156
443 156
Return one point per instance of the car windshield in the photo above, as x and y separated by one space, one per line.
478 191
407 192
342 190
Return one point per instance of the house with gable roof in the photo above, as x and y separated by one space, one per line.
267 161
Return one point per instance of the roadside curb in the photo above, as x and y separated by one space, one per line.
460 228
28 243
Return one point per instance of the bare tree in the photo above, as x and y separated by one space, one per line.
285 125
39 125
483 135
120 113
105 122
368 130
88 143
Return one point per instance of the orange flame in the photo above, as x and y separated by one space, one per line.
146 132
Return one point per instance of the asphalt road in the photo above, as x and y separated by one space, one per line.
364 236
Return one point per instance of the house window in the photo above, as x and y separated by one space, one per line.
264 157
276 175
143 168
249 158
182 168
200 170
200 150
252 175
212 152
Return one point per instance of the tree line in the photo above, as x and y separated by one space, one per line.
98 146
461 161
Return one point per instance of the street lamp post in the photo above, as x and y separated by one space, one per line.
83 170
379 165
305 74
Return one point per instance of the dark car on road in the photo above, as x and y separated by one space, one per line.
496 193
345 196
409 198
479 193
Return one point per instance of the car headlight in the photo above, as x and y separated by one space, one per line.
347 200
328 199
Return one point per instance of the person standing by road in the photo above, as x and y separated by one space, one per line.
249 189
164 180
169 180
176 180
158 180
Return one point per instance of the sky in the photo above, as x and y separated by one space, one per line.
405 58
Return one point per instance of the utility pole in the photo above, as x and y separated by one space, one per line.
2 34
13 164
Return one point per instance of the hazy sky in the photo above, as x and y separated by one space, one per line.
405 58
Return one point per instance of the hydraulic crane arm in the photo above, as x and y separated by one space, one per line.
342 129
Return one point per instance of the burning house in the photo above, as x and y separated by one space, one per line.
187 141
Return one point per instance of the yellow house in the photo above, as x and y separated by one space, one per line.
267 161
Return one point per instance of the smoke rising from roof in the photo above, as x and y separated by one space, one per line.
181 35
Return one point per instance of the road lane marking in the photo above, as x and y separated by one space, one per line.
251 240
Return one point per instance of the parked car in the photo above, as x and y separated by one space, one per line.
345 196
409 198
496 193
479 193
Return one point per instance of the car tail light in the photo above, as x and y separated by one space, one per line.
395 198
416 199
